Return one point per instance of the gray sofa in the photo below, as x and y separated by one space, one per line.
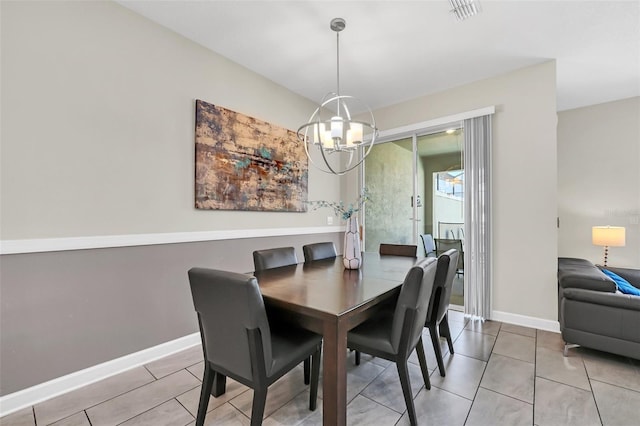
592 313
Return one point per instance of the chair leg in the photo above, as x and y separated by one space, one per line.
423 364
446 332
205 391
307 369
357 357
403 372
315 378
219 384
435 339
259 402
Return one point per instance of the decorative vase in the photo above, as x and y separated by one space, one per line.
352 257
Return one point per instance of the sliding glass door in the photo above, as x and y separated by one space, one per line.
464 155
416 188
406 200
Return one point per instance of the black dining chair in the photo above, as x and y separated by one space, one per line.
393 335
439 304
429 245
277 258
398 250
319 251
393 250
444 244
274 258
239 342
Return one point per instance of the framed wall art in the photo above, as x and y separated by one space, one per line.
243 163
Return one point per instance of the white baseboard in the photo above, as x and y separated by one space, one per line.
526 321
47 390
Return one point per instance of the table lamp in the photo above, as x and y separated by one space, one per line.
608 236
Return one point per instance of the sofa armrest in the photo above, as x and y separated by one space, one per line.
614 300
631 275
588 279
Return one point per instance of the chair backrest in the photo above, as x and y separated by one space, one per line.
444 244
319 251
274 258
398 250
228 304
414 294
442 286
428 244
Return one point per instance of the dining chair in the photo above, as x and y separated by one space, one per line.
274 258
398 250
319 251
444 244
439 304
394 334
395 250
239 342
277 258
429 245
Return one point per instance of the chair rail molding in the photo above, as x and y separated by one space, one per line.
128 240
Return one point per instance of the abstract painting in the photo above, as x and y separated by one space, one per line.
243 163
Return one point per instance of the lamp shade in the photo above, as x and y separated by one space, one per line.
611 236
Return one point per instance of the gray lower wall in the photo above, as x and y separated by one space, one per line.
65 311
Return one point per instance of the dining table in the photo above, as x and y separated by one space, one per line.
324 297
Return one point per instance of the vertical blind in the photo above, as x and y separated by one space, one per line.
477 217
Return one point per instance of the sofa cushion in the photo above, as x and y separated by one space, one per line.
623 285
632 276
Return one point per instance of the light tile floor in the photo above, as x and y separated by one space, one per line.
501 374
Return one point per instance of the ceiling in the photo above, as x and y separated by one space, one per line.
392 50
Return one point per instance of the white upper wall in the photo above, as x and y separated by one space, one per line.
98 117
524 179
97 139
599 179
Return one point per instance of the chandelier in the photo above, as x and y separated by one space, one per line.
333 132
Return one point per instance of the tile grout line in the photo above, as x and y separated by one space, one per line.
505 395
568 385
593 396
152 408
385 406
124 393
614 385
235 408
475 395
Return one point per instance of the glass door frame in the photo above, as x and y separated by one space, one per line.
415 219
414 131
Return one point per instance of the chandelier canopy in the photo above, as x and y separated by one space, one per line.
340 139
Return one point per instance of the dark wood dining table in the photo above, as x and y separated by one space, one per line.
326 298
